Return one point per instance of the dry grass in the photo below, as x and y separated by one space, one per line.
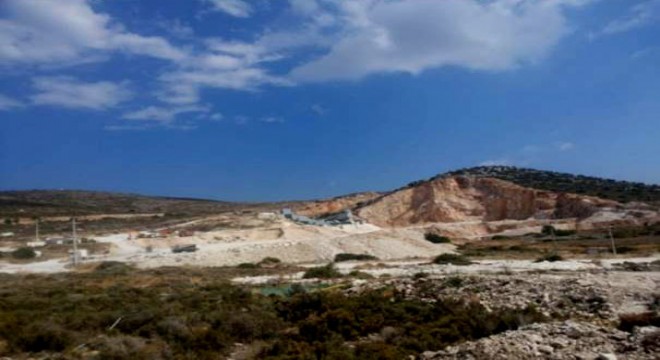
531 248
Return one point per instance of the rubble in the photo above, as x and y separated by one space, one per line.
557 340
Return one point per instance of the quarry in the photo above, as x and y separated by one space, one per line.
578 275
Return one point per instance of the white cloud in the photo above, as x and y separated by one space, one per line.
640 15
47 31
162 114
272 119
319 109
565 146
412 36
236 8
71 93
223 65
497 162
7 103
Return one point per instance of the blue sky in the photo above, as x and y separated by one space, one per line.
295 99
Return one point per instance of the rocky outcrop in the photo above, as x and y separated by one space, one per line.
458 198
480 200
572 205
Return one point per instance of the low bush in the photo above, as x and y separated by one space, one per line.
550 257
322 272
247 266
113 268
453 282
454 259
360 275
550 230
624 249
500 237
348 257
437 239
270 260
563 233
326 322
24 253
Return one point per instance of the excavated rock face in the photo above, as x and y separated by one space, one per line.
329 206
572 205
458 198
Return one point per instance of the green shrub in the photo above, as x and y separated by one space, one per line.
453 282
322 272
454 259
550 257
24 253
113 267
562 233
548 230
347 257
270 260
437 239
247 266
360 275
500 237
624 249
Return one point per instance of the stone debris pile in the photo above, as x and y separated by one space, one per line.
559 340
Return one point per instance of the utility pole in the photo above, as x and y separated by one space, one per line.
612 240
36 230
554 238
75 242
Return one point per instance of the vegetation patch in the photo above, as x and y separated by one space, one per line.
454 259
322 272
113 267
396 327
360 275
550 257
437 239
175 313
24 253
348 257
551 230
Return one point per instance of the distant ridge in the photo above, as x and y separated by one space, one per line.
617 190
61 202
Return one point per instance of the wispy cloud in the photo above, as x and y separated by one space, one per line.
529 154
7 103
318 109
565 146
272 119
69 92
497 162
236 8
639 16
163 114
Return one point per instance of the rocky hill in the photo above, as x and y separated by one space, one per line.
449 199
621 191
